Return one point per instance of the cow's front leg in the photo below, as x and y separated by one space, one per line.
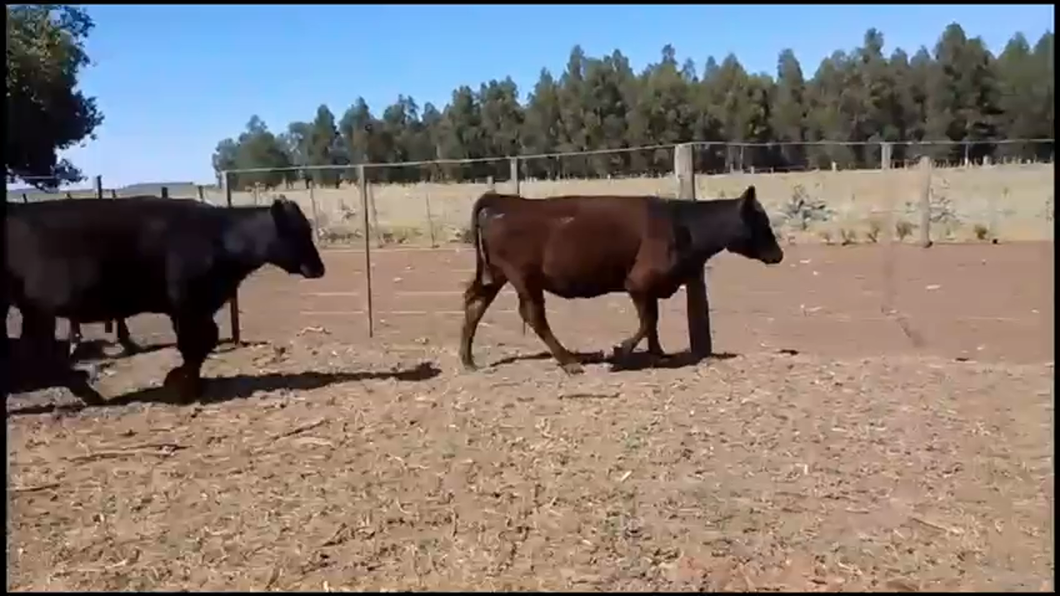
196 337
648 318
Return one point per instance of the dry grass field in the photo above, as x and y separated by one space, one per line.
1006 201
824 449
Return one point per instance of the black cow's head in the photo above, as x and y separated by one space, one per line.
754 237
292 249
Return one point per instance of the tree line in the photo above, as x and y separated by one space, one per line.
958 92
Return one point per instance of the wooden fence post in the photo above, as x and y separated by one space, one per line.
925 203
201 192
697 304
513 167
233 305
362 180
113 193
430 217
99 187
886 151
313 207
165 192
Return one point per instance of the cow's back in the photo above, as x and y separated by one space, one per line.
582 246
96 256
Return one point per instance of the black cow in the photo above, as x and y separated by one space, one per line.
588 246
94 260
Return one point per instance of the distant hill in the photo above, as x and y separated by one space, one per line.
176 189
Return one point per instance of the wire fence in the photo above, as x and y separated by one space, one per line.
922 192
981 199
969 191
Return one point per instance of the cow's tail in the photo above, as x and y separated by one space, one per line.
482 265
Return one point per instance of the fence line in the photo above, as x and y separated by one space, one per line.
891 203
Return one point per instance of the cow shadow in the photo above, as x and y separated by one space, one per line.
223 389
635 362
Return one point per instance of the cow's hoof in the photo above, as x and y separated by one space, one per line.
572 368
469 366
185 388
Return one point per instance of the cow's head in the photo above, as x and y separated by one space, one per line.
754 237
292 249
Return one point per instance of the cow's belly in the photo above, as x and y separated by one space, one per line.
583 288
90 293
566 281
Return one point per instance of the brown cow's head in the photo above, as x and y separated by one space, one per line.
755 239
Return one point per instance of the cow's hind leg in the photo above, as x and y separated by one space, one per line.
477 298
197 336
125 339
51 359
648 326
532 309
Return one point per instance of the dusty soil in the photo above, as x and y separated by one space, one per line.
906 445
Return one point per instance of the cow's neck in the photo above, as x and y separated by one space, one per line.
248 241
710 225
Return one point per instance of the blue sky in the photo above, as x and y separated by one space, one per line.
174 80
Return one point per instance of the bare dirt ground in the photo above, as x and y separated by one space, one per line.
901 441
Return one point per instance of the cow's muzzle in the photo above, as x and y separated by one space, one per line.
773 257
312 271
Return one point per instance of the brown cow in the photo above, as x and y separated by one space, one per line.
588 246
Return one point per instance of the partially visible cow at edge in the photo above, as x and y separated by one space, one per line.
588 246
94 260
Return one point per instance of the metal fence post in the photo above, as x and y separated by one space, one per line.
233 304
362 180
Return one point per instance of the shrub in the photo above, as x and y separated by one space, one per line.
875 227
903 229
848 236
802 209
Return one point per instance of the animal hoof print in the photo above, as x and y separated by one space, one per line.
572 368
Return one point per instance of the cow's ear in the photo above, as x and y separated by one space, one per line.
277 209
749 200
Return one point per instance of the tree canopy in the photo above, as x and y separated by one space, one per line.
45 111
958 92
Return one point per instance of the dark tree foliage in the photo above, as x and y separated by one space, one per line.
45 111
957 92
